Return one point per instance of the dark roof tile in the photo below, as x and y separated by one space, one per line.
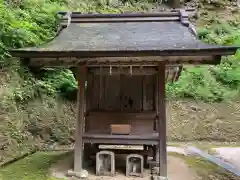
159 34
138 36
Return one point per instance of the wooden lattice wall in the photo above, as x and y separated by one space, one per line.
121 92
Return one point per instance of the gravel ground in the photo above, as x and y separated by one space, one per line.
177 169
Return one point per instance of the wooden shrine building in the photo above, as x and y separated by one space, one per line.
123 60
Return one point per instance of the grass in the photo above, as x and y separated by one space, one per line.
33 167
205 169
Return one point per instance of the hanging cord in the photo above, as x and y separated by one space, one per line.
131 70
110 69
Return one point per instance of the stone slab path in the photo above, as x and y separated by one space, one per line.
229 154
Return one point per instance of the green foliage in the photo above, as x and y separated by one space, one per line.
3 54
61 80
27 22
198 83
215 83
229 72
32 22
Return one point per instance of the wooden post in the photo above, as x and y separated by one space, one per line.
174 3
162 128
156 92
144 100
78 154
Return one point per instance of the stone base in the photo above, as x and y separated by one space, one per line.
154 177
130 163
78 175
110 162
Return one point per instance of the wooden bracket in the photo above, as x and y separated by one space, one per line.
67 19
192 28
184 17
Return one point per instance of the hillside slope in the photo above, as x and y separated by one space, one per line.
33 105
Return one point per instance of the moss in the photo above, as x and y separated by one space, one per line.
205 169
33 167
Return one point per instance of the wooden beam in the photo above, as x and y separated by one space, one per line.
78 154
123 70
162 121
116 61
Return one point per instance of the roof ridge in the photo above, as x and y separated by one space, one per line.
127 12
68 17
184 17
171 15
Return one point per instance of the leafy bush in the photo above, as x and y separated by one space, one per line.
27 23
60 80
214 83
198 83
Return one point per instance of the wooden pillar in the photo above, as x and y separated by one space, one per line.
78 154
156 148
162 128
174 3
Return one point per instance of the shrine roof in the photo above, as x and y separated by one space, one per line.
125 35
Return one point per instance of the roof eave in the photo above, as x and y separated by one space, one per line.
222 51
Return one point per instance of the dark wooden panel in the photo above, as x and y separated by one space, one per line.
99 122
121 92
149 93
111 96
90 83
93 95
132 92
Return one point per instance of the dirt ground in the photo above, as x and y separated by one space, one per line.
177 170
